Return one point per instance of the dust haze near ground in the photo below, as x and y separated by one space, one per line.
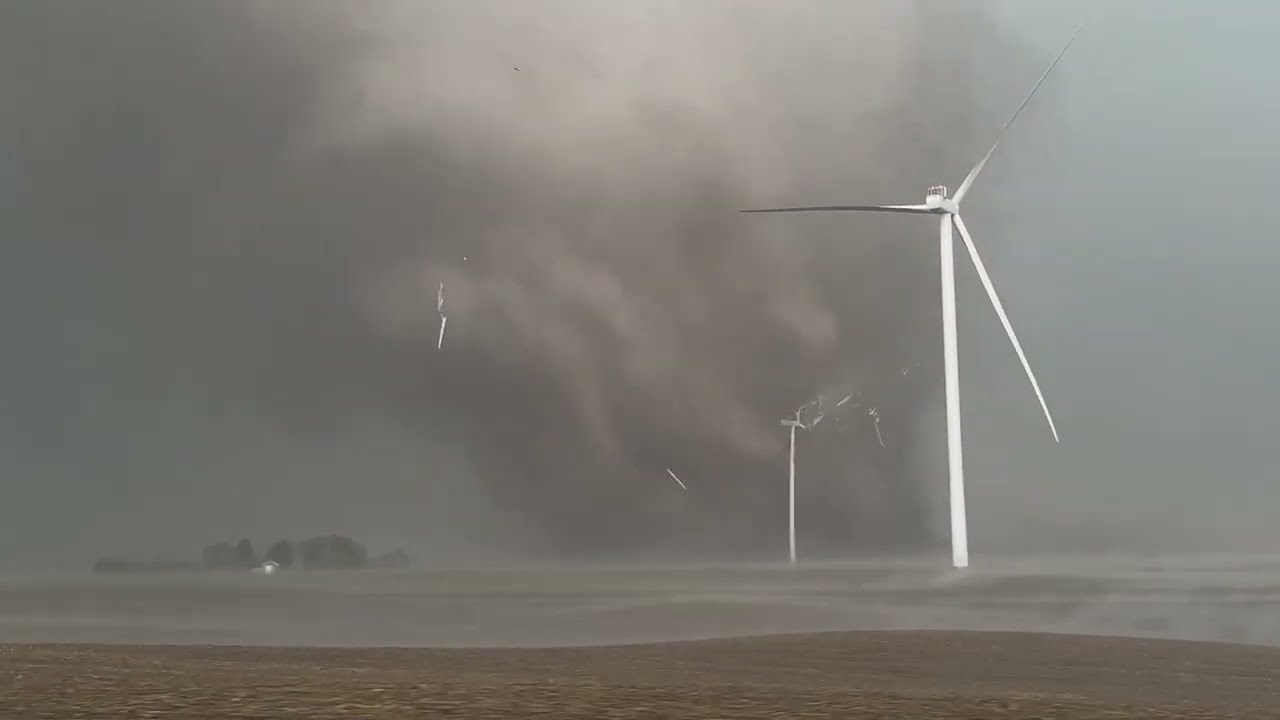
224 225
1207 597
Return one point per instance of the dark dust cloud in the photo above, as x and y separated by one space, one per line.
225 223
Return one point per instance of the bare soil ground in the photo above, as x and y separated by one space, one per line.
832 675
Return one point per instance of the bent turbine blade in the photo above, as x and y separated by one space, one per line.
973 174
1004 319
864 208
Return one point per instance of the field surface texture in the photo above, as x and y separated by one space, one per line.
927 674
1034 638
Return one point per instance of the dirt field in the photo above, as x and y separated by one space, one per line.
833 675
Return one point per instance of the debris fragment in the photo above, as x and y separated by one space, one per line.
443 318
844 400
673 477
876 416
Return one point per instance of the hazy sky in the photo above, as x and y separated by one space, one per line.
1121 234
225 223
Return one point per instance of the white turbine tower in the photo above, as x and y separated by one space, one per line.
791 475
948 212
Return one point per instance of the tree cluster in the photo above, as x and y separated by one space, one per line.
323 552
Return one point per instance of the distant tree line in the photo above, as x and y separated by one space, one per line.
324 552
122 565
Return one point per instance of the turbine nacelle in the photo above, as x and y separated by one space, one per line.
936 195
937 201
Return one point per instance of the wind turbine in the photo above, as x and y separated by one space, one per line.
947 209
791 476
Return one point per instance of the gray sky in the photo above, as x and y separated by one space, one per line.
1119 232
226 223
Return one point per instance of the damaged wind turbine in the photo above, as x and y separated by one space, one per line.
791 470
948 212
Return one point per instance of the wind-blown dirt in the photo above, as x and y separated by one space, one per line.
831 675
1208 599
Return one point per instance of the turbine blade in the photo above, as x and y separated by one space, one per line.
973 174
1004 319
863 208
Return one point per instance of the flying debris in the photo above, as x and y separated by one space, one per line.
844 400
876 417
673 477
947 212
813 406
443 319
